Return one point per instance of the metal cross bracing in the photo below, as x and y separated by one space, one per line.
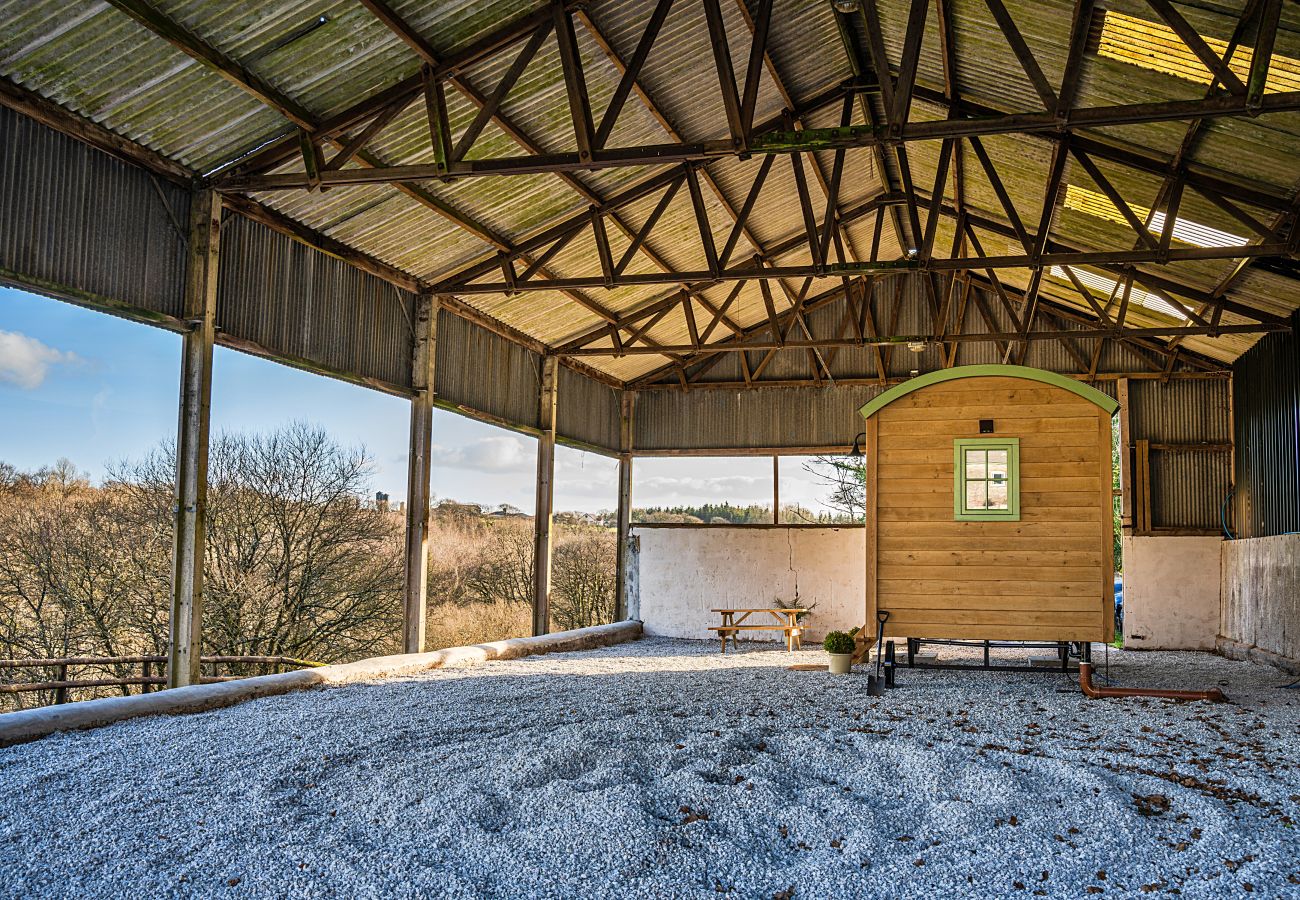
874 107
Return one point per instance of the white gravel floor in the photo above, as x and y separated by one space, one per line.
663 769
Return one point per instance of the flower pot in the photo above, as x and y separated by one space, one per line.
840 663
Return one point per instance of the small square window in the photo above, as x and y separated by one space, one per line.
986 479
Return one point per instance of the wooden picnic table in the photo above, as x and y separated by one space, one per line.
784 619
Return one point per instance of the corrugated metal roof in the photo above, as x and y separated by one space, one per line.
326 55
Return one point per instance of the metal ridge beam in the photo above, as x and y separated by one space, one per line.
896 339
853 136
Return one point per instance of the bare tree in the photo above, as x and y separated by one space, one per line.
295 563
583 586
846 478
504 570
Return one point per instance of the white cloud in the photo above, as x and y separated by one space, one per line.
26 362
505 453
733 488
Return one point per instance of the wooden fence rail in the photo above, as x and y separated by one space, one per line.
152 672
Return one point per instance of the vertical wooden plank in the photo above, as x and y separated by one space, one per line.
621 611
872 464
415 587
1107 500
544 513
1143 469
200 303
1125 458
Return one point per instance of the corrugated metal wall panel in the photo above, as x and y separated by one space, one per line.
1266 412
1191 411
588 411
759 418
293 301
485 373
76 222
1188 487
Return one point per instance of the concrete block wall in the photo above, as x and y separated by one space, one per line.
1260 617
681 573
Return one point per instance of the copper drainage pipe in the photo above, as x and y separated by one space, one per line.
1089 690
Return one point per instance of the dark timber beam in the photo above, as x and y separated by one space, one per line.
214 59
200 313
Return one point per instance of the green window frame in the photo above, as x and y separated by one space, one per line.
986 479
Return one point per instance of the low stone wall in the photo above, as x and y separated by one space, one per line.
30 724
1260 618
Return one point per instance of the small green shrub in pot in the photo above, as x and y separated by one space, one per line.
840 647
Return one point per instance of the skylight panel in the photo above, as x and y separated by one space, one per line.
1155 46
1108 286
1185 230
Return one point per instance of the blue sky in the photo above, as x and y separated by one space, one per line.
97 389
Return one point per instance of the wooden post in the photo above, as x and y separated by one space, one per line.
200 307
61 693
1125 459
621 611
776 489
1142 470
542 517
423 357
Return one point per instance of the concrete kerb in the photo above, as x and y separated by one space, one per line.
32 724
1237 650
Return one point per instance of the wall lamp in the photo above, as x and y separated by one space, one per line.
857 445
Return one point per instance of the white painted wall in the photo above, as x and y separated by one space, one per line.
681 573
1171 592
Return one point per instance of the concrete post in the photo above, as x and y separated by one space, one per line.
543 515
415 588
624 502
200 308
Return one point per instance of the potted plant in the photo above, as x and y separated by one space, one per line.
840 647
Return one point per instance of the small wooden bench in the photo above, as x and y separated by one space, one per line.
786 621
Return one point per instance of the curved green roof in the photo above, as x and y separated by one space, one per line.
1090 394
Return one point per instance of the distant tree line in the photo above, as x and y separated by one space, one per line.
705 513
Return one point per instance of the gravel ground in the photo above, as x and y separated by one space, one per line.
661 768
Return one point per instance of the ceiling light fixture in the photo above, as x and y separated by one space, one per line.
845 6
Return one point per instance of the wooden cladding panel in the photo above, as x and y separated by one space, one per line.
1044 577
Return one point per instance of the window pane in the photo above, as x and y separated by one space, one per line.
998 464
997 495
976 494
975 463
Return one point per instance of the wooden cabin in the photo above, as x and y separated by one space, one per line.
989 507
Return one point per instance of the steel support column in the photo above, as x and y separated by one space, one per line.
621 610
186 625
414 591
543 515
